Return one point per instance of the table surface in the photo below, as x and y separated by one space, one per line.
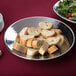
11 65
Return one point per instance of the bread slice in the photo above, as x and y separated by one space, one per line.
41 38
52 49
62 39
58 31
31 52
23 31
53 40
24 38
37 43
29 42
34 31
45 25
19 47
47 33
17 38
43 48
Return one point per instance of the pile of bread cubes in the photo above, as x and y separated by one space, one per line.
38 40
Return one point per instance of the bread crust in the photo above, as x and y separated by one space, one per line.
19 47
29 42
18 38
53 40
45 25
24 38
31 52
23 31
37 43
62 39
34 31
58 31
43 48
47 33
52 49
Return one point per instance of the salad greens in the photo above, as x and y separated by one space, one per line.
67 8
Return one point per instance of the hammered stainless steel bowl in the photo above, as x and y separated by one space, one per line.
15 28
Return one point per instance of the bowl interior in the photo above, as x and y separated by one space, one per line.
15 28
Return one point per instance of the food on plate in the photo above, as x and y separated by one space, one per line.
67 8
53 40
23 38
37 43
18 38
47 33
45 25
23 31
31 51
52 49
61 40
43 48
20 48
58 31
33 31
29 42
41 40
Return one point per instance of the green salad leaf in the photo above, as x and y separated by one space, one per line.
66 6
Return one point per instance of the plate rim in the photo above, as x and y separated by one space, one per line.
45 58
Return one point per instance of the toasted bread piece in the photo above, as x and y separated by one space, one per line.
34 31
47 33
31 51
45 25
24 38
58 31
41 38
19 47
43 48
29 42
37 43
23 31
53 40
52 49
62 39
22 41
18 38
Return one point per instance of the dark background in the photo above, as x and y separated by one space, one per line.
11 65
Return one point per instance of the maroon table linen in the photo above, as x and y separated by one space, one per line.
10 65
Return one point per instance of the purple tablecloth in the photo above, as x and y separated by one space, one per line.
11 65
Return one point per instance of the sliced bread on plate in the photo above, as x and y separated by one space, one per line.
45 25
53 40
34 31
23 31
19 47
31 52
37 43
24 38
43 48
52 49
47 33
